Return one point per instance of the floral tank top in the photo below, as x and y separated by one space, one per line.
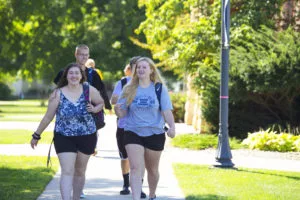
73 119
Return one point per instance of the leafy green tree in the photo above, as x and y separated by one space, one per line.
185 37
117 22
39 37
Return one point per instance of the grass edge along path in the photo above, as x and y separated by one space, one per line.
23 110
23 137
202 182
202 141
24 177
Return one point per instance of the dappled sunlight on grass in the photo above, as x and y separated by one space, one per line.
24 177
203 182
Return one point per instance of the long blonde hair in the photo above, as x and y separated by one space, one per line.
129 90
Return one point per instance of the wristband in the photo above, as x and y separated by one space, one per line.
36 136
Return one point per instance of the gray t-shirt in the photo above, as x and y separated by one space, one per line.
143 115
117 91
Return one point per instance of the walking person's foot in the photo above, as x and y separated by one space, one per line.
82 196
153 198
143 195
125 191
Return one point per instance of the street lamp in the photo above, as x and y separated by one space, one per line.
223 155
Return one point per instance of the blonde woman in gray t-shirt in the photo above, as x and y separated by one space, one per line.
145 119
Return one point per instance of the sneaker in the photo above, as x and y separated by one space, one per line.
143 195
82 196
125 191
152 198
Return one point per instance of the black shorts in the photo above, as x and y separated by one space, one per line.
153 142
120 142
85 144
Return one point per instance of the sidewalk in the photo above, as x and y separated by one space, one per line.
104 179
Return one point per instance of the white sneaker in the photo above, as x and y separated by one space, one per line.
82 196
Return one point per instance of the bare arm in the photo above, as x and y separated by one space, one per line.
96 99
169 118
119 111
114 99
48 117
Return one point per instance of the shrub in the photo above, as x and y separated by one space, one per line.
5 92
269 140
297 144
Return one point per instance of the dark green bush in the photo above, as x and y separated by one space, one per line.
5 92
178 101
263 82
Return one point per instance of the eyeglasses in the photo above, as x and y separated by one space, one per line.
81 54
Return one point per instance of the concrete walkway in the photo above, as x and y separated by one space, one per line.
104 179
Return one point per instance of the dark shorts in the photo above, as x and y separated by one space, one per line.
153 142
85 144
120 142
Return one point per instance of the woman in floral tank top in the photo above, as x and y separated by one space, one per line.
75 130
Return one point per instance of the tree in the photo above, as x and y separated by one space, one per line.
185 37
39 37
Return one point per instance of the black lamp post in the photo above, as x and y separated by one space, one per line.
223 155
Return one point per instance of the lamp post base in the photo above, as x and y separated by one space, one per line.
224 163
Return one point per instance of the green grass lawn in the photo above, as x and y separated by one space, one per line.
22 137
201 182
202 141
22 110
24 177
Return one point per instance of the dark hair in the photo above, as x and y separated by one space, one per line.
133 60
63 79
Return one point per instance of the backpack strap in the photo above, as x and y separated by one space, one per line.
90 75
86 91
49 162
158 89
123 81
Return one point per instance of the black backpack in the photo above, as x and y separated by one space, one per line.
123 81
98 117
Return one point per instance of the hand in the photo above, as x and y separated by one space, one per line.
117 108
171 132
90 107
33 143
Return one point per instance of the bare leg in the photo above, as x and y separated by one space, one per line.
67 163
125 174
137 164
125 166
79 175
152 165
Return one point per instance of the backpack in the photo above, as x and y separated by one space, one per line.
90 75
99 116
99 73
158 89
123 81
